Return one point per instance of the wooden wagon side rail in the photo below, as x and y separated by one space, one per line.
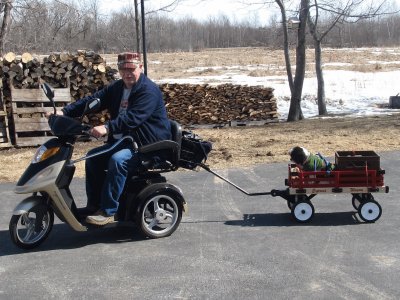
335 179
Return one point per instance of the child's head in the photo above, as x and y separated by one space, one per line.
299 155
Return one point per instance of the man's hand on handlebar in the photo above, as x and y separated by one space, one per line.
49 113
98 131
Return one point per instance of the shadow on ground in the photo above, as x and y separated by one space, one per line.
62 237
285 219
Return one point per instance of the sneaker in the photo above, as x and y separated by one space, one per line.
88 210
100 218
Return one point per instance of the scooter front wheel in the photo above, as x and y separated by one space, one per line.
160 214
31 228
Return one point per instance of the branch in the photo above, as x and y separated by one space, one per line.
346 12
166 8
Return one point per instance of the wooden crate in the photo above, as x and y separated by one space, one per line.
394 101
357 160
29 107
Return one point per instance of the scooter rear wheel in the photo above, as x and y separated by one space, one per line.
31 228
160 214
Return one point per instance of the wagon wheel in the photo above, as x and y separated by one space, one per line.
370 211
355 201
293 199
289 204
302 211
358 199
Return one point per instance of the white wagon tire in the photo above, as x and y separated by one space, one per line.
370 211
303 211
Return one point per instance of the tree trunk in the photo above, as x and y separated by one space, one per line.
137 28
320 78
5 24
286 44
295 112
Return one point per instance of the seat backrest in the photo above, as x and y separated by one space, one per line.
176 131
167 150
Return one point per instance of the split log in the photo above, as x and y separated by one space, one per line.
9 57
26 57
204 104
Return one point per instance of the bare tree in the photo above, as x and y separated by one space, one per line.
295 112
137 26
169 7
282 8
338 12
5 8
57 25
295 84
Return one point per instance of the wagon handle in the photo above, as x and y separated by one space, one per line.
205 167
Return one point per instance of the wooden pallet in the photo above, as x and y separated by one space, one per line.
29 107
235 123
4 136
232 123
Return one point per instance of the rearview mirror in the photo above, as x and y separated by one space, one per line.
48 91
91 106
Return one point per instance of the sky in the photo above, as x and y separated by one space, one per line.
201 9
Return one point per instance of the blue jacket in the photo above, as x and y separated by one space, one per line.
146 118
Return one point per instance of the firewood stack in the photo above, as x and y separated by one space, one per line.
84 72
206 104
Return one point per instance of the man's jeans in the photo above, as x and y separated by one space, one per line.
106 175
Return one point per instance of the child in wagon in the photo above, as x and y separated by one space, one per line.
309 162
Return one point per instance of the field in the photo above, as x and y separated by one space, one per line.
246 146
269 62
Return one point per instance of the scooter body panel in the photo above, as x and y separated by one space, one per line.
46 181
25 205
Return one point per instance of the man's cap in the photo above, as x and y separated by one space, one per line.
128 60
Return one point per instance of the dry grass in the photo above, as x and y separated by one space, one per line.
246 146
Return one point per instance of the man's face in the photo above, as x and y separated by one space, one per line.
130 76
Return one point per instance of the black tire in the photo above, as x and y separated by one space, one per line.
30 229
289 204
355 202
293 199
160 213
370 211
302 211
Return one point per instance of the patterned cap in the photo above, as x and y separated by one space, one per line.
128 60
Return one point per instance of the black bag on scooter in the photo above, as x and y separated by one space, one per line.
193 150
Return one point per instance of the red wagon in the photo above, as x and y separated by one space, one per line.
356 172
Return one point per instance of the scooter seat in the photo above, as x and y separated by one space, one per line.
163 156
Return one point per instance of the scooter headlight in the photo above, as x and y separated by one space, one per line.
43 153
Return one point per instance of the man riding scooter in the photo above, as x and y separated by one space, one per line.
137 109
